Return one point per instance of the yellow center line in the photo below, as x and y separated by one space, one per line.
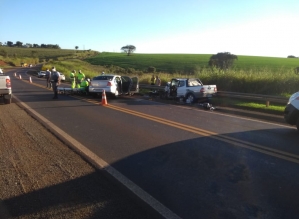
237 142
240 143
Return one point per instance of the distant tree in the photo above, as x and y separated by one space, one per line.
19 44
223 60
291 56
128 49
35 45
56 46
9 43
76 47
1 44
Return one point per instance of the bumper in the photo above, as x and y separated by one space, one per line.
291 114
100 90
6 93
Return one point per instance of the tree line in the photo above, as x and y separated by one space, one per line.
29 45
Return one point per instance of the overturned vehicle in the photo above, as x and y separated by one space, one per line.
291 112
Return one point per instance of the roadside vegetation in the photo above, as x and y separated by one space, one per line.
249 74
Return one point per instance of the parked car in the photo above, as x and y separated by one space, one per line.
5 88
114 85
62 76
41 74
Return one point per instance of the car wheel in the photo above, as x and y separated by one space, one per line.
297 123
7 101
190 98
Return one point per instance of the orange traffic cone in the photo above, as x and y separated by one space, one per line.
104 99
30 81
20 76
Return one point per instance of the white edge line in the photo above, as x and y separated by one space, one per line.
89 155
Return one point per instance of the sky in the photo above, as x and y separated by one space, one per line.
241 27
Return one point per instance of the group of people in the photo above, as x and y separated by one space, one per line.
79 81
155 80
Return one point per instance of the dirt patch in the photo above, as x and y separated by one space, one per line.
2 63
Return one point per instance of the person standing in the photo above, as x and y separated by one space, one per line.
80 78
153 80
158 81
48 78
55 79
73 79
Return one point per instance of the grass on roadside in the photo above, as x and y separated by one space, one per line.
249 105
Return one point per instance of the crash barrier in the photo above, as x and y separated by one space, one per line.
266 98
248 96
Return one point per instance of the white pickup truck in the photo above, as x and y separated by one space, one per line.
5 87
190 89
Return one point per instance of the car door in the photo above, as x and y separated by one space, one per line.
134 88
129 85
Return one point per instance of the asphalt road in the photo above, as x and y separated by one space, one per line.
195 163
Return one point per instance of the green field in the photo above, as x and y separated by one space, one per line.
16 55
189 63
250 74
40 52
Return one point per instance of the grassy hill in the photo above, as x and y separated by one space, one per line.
40 52
188 63
16 55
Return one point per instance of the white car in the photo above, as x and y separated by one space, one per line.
41 74
62 76
114 85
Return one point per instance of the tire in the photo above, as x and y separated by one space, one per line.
7 101
190 98
297 123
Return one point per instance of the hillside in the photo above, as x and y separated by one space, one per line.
188 63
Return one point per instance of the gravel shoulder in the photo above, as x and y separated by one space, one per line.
41 177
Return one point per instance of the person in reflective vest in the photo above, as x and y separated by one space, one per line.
80 78
73 79
84 86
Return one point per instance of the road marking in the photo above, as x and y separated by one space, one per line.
240 143
100 163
